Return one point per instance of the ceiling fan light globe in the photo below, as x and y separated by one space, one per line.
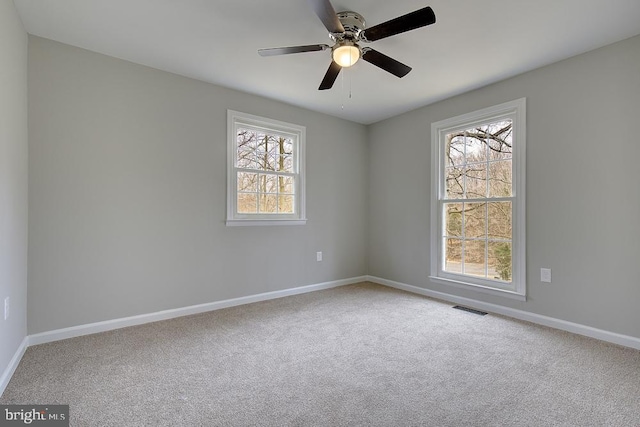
346 55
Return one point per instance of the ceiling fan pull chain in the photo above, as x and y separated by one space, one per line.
349 85
342 88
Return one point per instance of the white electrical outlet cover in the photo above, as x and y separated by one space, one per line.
545 275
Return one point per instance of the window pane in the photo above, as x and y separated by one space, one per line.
245 153
476 147
267 143
268 183
272 145
286 185
261 161
285 163
285 204
261 141
247 182
476 181
262 149
265 161
272 162
500 261
453 219
254 140
454 149
455 183
475 219
268 203
500 140
246 158
474 258
286 153
247 203
246 139
500 220
500 179
453 255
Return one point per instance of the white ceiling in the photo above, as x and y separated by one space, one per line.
473 43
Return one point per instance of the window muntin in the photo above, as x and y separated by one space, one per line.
478 200
265 171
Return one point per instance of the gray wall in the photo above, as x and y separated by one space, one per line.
13 181
583 197
127 194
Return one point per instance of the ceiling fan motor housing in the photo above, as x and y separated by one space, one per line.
353 24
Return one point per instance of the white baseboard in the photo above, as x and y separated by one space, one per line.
576 328
108 325
13 364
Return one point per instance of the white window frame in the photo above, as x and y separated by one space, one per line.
236 119
516 111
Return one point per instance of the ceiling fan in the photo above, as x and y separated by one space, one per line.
347 30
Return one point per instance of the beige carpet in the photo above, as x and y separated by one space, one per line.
357 355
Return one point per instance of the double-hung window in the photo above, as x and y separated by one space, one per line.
265 171
478 200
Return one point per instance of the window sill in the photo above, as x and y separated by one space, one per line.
480 288
263 222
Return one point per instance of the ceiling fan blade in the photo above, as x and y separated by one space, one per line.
293 49
327 15
331 76
386 63
410 21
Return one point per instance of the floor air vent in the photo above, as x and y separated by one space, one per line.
470 310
